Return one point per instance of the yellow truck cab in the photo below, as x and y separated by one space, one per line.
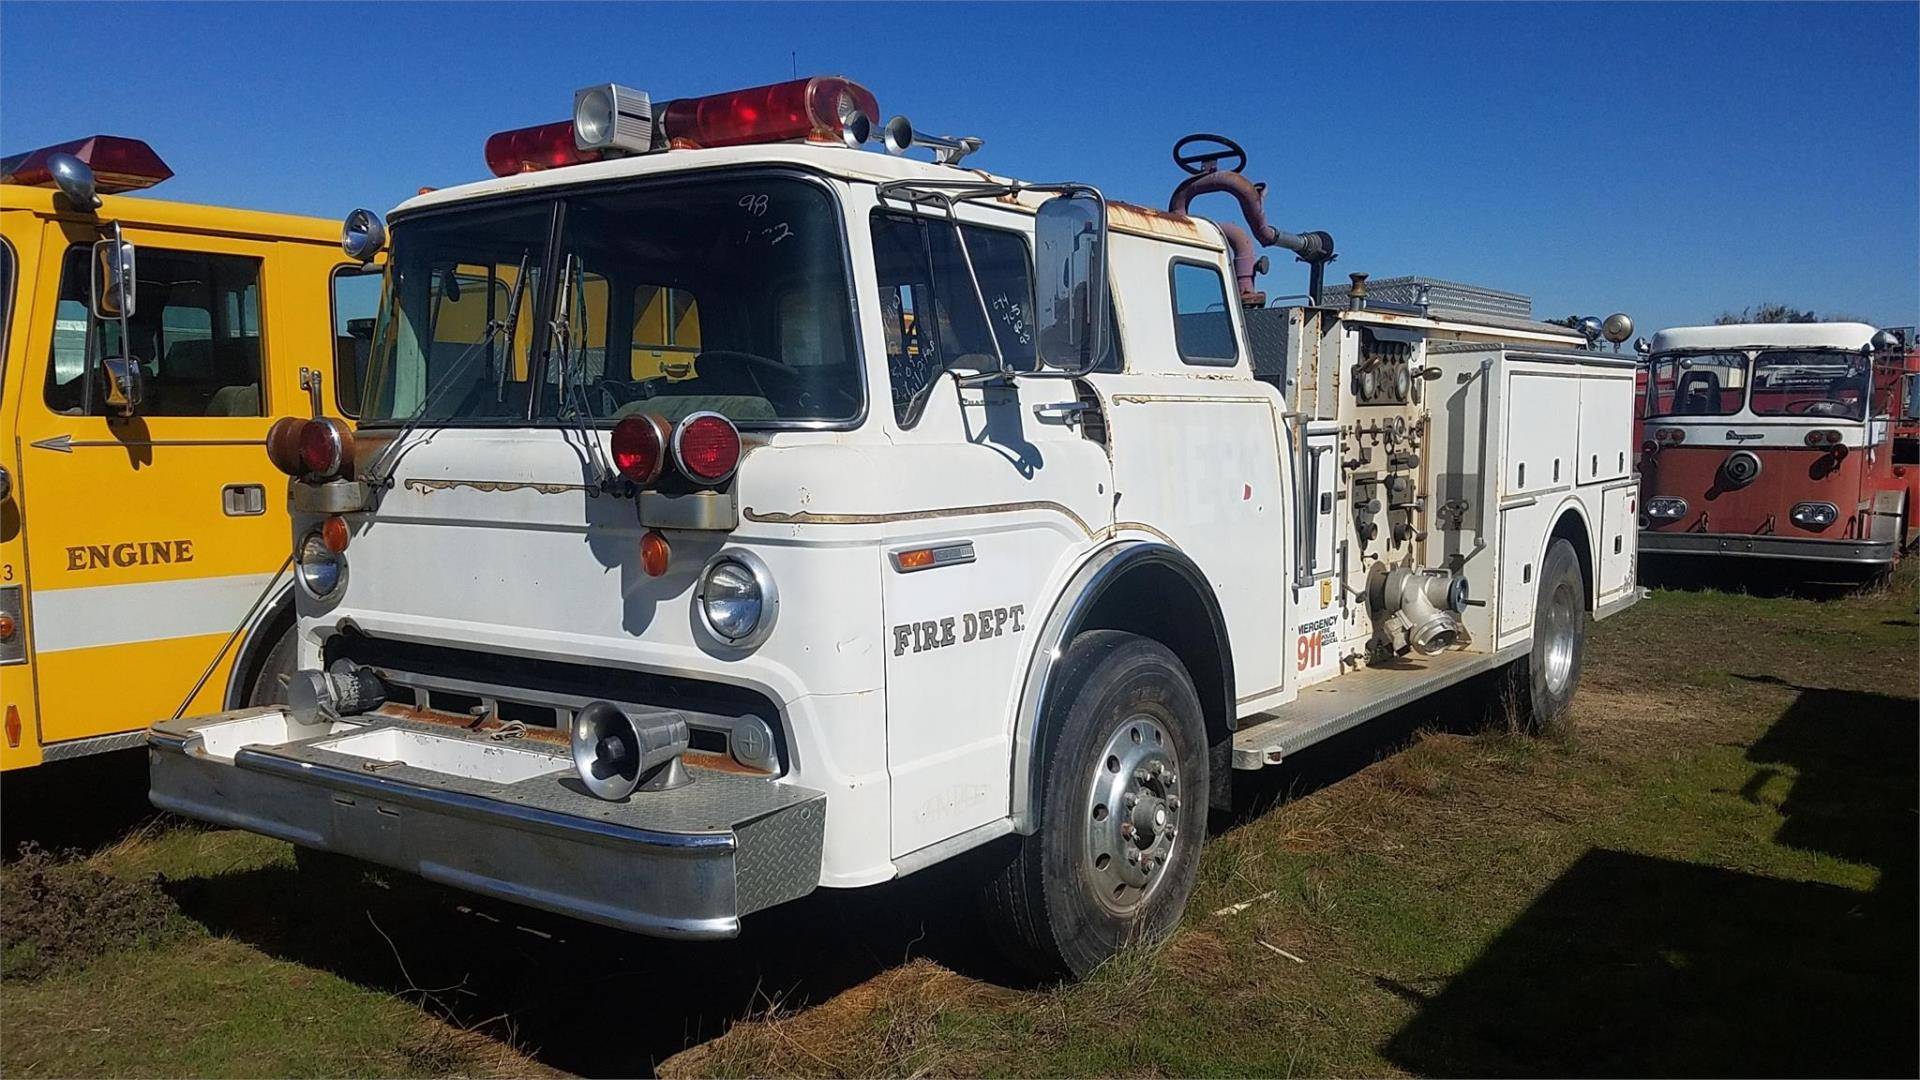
145 347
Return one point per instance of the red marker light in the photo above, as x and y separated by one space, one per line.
655 553
283 444
820 109
530 149
326 448
118 164
706 447
640 447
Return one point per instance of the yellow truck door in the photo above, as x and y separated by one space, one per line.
149 537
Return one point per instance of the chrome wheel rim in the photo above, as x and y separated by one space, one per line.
1562 627
1132 813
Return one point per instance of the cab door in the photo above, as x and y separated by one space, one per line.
149 536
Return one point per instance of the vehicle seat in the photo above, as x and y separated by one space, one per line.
1698 393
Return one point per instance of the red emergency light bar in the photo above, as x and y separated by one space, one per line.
118 164
819 109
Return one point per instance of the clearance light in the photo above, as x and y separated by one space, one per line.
820 109
6 629
13 726
118 164
1673 435
655 553
706 447
1823 437
530 149
640 447
334 534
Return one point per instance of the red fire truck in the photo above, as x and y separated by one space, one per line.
1791 441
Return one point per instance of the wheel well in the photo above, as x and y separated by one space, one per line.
254 649
1573 530
1157 600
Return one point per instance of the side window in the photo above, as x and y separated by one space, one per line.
1202 326
666 333
7 275
195 331
356 302
933 319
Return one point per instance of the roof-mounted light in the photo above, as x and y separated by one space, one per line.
118 164
612 117
820 109
530 149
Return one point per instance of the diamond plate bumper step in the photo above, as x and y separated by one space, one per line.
504 819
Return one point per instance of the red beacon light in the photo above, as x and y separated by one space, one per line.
819 109
611 120
118 164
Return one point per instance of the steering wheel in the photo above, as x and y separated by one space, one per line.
1206 160
1815 407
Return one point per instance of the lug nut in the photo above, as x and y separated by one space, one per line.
1142 775
1133 856
1126 830
1130 799
1173 803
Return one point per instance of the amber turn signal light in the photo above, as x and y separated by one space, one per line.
655 553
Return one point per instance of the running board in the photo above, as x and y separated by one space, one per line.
1326 709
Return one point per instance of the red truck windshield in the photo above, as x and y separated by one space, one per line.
1828 383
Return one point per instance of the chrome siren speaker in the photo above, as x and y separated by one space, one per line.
616 754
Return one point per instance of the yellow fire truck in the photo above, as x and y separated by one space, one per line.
144 347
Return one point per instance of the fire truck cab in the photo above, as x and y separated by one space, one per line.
808 516
145 347
1779 441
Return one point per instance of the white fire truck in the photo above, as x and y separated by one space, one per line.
807 516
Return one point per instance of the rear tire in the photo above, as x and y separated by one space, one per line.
270 682
1551 672
1122 808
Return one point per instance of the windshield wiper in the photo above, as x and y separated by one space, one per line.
572 404
513 320
391 455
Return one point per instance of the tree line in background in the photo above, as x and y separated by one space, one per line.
1779 313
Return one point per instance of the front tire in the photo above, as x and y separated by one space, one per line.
1551 672
1122 809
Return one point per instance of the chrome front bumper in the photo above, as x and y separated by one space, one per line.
1808 549
504 819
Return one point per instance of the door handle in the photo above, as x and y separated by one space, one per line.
1061 412
243 500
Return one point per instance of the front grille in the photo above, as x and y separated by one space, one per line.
546 693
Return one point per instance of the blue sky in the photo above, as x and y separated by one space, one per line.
1670 161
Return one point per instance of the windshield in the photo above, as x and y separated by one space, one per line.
727 295
1697 384
1807 383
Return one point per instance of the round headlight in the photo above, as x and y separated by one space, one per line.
319 568
737 601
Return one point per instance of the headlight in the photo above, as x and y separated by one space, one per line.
737 601
1814 515
1666 508
320 569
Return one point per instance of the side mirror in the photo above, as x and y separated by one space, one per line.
113 279
121 384
1070 281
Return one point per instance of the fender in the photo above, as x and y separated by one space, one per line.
1066 618
1572 504
252 642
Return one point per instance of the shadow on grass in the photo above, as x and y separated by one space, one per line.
1756 577
578 997
82 804
1632 965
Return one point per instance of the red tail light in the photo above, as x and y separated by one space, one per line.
822 109
706 447
326 448
530 149
118 164
640 447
